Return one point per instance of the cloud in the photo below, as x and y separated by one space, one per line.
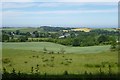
60 0
88 0
103 3
61 12
16 5
49 4
17 0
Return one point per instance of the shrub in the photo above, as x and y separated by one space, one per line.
44 65
89 65
31 69
25 62
51 52
52 57
66 64
6 60
37 56
4 70
42 57
97 65
65 73
33 56
10 65
13 71
69 61
62 63
45 60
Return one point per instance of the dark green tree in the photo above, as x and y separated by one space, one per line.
23 38
103 38
17 32
28 34
36 34
5 37
76 42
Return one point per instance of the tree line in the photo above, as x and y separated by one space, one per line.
72 38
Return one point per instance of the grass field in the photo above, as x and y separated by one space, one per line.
107 29
23 56
23 29
38 46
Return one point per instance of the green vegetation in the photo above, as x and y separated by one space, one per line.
50 51
21 29
23 56
57 35
38 46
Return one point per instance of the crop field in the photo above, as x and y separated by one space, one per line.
23 56
82 29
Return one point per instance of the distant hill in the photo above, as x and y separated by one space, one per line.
54 29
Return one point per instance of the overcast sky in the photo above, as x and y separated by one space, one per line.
73 14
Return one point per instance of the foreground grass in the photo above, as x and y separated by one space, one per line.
23 60
64 76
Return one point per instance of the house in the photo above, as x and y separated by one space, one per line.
64 35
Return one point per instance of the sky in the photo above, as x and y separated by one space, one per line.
59 14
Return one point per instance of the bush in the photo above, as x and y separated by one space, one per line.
65 73
6 60
97 65
89 65
10 65
25 62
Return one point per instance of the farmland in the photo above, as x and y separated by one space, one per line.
38 46
23 56
59 51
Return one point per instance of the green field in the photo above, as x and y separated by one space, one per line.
38 46
21 29
23 56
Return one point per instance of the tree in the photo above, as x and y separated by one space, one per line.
102 39
76 42
23 38
72 35
36 34
28 34
5 37
17 32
